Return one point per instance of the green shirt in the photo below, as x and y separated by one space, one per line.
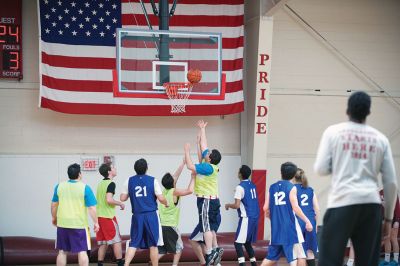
71 212
169 216
103 208
207 185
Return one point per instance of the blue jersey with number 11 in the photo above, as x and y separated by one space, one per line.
285 229
249 203
141 194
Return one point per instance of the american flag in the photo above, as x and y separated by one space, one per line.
77 54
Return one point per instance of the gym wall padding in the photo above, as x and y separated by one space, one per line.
33 250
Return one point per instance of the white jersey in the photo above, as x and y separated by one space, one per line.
355 154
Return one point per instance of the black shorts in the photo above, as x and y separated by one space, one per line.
209 214
172 240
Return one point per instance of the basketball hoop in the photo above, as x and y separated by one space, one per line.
178 94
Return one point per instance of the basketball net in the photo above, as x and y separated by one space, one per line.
178 94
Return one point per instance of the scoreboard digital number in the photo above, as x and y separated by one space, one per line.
11 39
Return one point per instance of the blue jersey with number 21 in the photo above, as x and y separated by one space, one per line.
141 194
285 229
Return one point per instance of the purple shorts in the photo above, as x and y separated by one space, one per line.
73 240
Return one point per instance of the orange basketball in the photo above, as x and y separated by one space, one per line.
194 76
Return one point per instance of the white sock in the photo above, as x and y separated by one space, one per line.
387 257
396 257
241 260
350 262
253 259
208 251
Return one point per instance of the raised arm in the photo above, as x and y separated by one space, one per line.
297 210
199 153
188 160
178 171
186 191
203 140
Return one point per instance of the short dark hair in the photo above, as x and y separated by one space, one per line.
73 171
358 106
140 166
288 170
167 181
104 169
215 157
245 171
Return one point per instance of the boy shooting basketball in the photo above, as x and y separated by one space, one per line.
206 190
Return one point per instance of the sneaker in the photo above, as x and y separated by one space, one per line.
210 258
219 252
253 263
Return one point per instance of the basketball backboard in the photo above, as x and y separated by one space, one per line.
147 59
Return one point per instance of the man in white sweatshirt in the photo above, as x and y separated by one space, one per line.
354 154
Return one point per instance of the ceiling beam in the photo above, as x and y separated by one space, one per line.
269 7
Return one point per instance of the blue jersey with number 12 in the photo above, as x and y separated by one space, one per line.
141 194
285 229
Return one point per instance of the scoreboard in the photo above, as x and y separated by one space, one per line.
11 39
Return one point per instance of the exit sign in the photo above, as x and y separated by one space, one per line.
90 164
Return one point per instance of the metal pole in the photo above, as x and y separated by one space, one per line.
163 7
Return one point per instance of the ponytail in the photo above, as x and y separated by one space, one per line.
301 178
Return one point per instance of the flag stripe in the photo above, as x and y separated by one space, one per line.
131 64
87 51
192 20
106 97
138 110
188 9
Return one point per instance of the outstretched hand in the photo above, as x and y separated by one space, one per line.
202 124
